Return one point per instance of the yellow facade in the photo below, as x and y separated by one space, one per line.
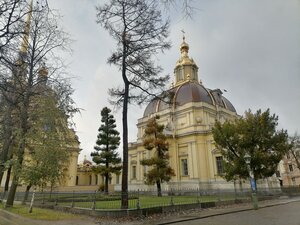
188 123
70 165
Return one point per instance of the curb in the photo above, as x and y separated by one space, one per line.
225 213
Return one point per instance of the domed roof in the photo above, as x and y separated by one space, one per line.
190 92
187 87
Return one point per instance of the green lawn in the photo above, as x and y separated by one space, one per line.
38 213
148 201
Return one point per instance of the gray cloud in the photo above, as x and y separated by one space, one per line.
250 48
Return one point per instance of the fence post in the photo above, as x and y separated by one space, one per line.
138 206
198 196
72 204
43 198
56 200
94 202
219 194
171 201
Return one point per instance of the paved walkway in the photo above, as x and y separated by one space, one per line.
189 217
287 214
7 218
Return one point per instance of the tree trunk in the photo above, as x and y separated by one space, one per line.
21 148
241 185
124 204
17 168
8 140
124 198
12 192
26 194
158 185
106 184
7 179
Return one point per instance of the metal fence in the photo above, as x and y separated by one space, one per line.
148 199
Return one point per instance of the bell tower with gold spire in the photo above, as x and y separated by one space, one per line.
185 69
25 39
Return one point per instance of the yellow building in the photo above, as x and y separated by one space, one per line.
188 124
87 179
288 172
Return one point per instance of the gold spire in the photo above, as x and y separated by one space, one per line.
184 47
186 69
24 44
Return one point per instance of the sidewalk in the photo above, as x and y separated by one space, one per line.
223 211
8 218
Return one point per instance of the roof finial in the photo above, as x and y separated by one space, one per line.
184 47
24 44
183 37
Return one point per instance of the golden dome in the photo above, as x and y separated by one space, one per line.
184 47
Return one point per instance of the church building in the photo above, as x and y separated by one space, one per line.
188 124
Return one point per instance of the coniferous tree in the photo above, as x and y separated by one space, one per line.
106 157
155 140
140 32
254 134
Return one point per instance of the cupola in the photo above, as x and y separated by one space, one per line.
185 69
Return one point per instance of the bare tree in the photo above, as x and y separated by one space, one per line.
140 33
186 6
41 42
294 151
12 13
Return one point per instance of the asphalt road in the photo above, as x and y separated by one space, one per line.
286 214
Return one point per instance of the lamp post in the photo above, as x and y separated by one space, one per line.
252 181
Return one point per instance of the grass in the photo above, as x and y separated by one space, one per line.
147 201
38 213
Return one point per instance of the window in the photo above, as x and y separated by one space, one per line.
294 180
96 179
184 167
180 74
117 179
219 163
133 172
145 170
277 173
90 181
291 168
194 74
77 180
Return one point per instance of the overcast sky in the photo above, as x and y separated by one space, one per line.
251 48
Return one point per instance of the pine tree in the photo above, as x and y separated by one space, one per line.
140 32
156 139
108 140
